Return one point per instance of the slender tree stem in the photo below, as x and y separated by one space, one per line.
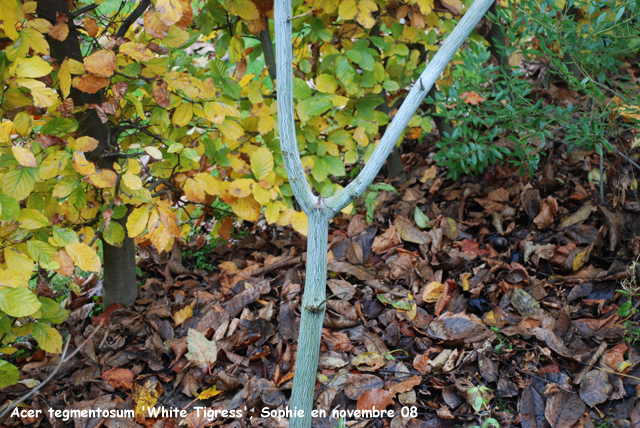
313 307
321 210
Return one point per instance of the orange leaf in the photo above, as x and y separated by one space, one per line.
66 264
405 385
153 25
471 98
91 84
119 378
60 32
161 94
187 15
102 63
91 26
375 398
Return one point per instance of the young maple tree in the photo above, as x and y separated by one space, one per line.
127 123
321 210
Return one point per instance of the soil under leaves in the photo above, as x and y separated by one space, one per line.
506 305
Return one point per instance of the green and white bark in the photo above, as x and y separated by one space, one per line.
321 210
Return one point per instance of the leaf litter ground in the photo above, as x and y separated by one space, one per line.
495 296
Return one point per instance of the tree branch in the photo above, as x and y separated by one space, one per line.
288 141
133 16
267 50
82 10
409 106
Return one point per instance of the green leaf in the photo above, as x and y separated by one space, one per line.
319 170
344 70
51 311
18 302
41 252
300 89
422 221
391 86
191 154
9 374
115 235
78 198
64 237
60 125
625 309
334 166
47 337
19 183
231 88
31 219
10 208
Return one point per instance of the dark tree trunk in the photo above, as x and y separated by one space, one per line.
119 284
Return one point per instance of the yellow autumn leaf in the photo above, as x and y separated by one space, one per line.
265 125
75 67
182 315
145 395
33 67
48 338
137 221
231 130
246 208
84 257
104 178
300 223
182 115
53 164
18 261
241 187
272 211
153 152
64 75
364 16
24 156
360 136
9 19
261 195
208 393
261 163
158 233
82 165
31 219
245 9
176 37
432 292
326 83
23 123
169 11
131 180
42 96
193 190
170 220
348 9
210 184
137 51
83 144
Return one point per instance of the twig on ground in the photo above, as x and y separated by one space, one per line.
63 359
